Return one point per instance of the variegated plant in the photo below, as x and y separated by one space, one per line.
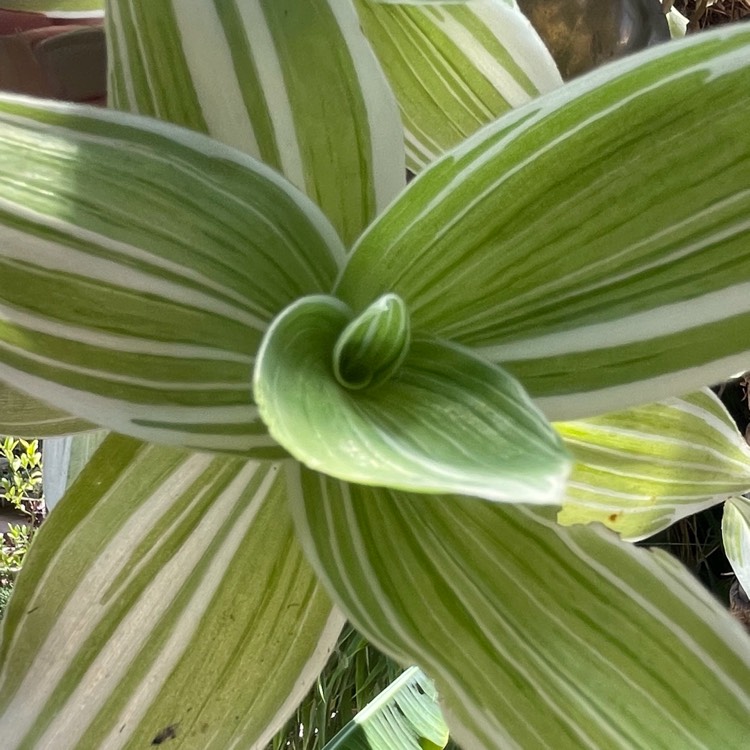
377 360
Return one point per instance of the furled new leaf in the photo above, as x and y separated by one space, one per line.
575 244
156 601
446 421
455 67
241 72
406 716
537 636
141 264
735 532
640 470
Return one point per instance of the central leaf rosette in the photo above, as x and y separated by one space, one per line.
360 398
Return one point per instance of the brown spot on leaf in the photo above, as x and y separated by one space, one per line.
168 733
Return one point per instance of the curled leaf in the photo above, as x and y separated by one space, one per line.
445 421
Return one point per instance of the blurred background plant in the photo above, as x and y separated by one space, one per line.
21 480
21 495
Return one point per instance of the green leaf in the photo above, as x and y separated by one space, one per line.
294 84
426 2
640 470
446 421
167 590
455 68
537 636
24 416
574 242
57 8
405 715
677 23
371 349
735 532
141 264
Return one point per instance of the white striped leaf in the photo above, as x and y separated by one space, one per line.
405 716
537 636
638 471
445 422
141 264
294 84
24 416
574 243
165 595
373 346
57 8
455 68
735 532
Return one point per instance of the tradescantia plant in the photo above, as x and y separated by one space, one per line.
366 372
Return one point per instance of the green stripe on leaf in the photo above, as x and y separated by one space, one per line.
24 416
57 8
455 68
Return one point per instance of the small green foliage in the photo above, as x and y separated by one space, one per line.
13 550
20 487
22 478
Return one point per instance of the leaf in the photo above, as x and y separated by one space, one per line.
405 715
241 72
445 421
573 241
425 2
677 23
57 8
372 348
141 264
537 636
640 470
162 592
455 68
23 416
735 532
